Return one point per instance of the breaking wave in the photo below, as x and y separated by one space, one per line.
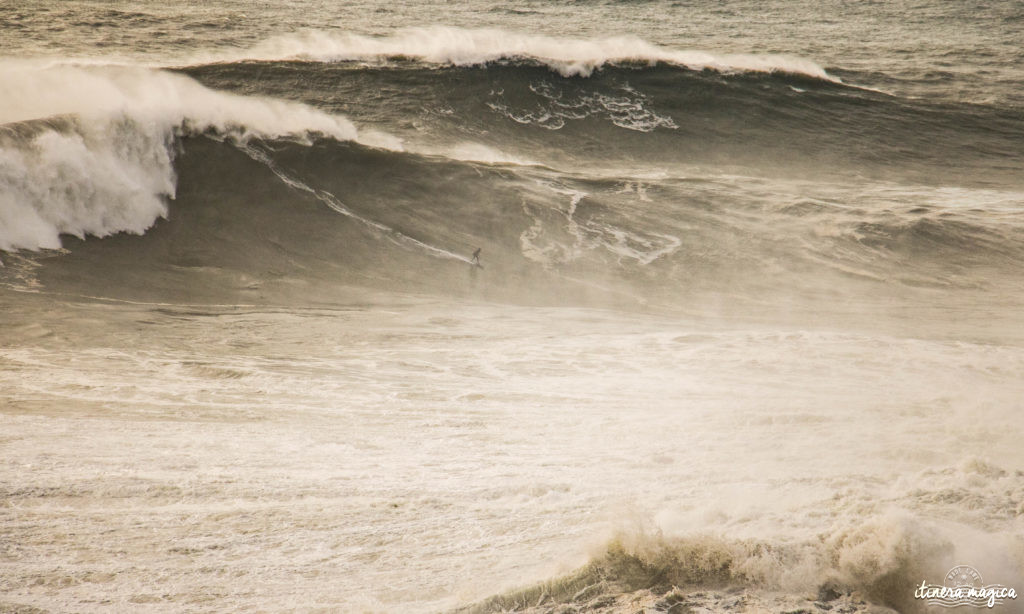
441 45
877 552
90 150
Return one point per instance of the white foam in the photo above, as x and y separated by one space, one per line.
467 47
624 111
478 152
94 182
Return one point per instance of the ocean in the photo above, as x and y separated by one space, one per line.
744 332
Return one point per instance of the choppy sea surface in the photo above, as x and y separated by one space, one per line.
745 329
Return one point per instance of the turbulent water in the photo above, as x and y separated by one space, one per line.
747 317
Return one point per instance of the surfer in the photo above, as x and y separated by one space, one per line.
476 258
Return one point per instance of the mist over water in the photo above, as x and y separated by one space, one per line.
746 327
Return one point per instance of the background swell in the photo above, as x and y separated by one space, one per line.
780 122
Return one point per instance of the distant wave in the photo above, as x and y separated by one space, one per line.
468 47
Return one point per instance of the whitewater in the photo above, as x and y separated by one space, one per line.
745 334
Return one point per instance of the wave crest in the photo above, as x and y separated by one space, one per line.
467 47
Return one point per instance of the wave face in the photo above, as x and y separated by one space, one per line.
326 210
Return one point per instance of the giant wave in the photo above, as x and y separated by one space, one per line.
655 183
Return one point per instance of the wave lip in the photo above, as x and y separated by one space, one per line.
468 47
40 91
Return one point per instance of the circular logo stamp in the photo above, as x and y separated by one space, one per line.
963 576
